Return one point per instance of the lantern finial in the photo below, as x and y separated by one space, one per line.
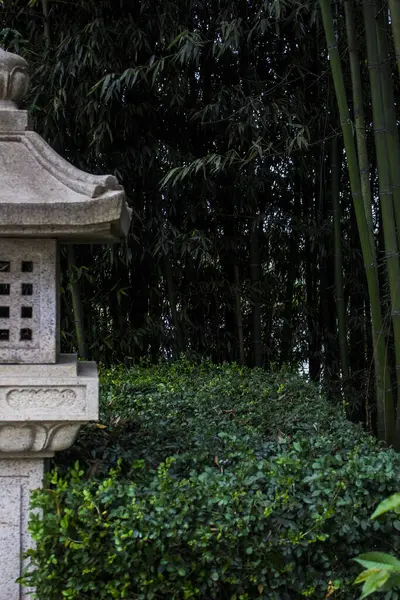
14 80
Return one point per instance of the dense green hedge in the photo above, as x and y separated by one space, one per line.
213 482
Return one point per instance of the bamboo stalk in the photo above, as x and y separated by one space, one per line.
389 113
358 108
379 111
255 276
76 303
394 7
338 262
287 328
239 318
46 22
385 406
171 293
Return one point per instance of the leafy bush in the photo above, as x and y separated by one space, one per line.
156 412
231 484
382 571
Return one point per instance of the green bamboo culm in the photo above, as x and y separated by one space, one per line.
385 405
76 303
338 261
389 111
379 112
359 120
394 8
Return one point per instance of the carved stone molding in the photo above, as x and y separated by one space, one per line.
41 398
37 437
48 393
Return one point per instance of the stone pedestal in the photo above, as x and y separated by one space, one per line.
18 477
42 408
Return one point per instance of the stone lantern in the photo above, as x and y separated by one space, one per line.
45 396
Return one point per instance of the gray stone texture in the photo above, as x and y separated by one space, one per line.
56 398
17 479
13 120
42 195
14 79
42 412
66 366
28 286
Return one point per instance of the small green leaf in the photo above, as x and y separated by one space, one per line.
374 583
378 560
386 505
365 574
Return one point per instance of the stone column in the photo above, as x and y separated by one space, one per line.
18 477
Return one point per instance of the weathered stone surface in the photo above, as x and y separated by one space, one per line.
28 294
42 398
17 479
66 366
41 194
13 120
14 79
34 437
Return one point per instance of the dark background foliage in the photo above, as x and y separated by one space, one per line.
231 253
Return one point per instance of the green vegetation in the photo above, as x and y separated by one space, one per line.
265 210
209 481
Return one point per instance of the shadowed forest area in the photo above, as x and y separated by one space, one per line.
220 118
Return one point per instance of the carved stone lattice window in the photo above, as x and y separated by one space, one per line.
28 277
14 276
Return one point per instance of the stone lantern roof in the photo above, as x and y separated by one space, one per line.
41 194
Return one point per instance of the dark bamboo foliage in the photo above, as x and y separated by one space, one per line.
217 118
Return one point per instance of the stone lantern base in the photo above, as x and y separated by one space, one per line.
18 477
42 408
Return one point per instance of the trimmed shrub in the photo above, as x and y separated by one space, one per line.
224 483
177 408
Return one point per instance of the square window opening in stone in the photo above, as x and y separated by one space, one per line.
27 289
4 312
4 266
25 334
4 289
26 312
4 335
27 266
